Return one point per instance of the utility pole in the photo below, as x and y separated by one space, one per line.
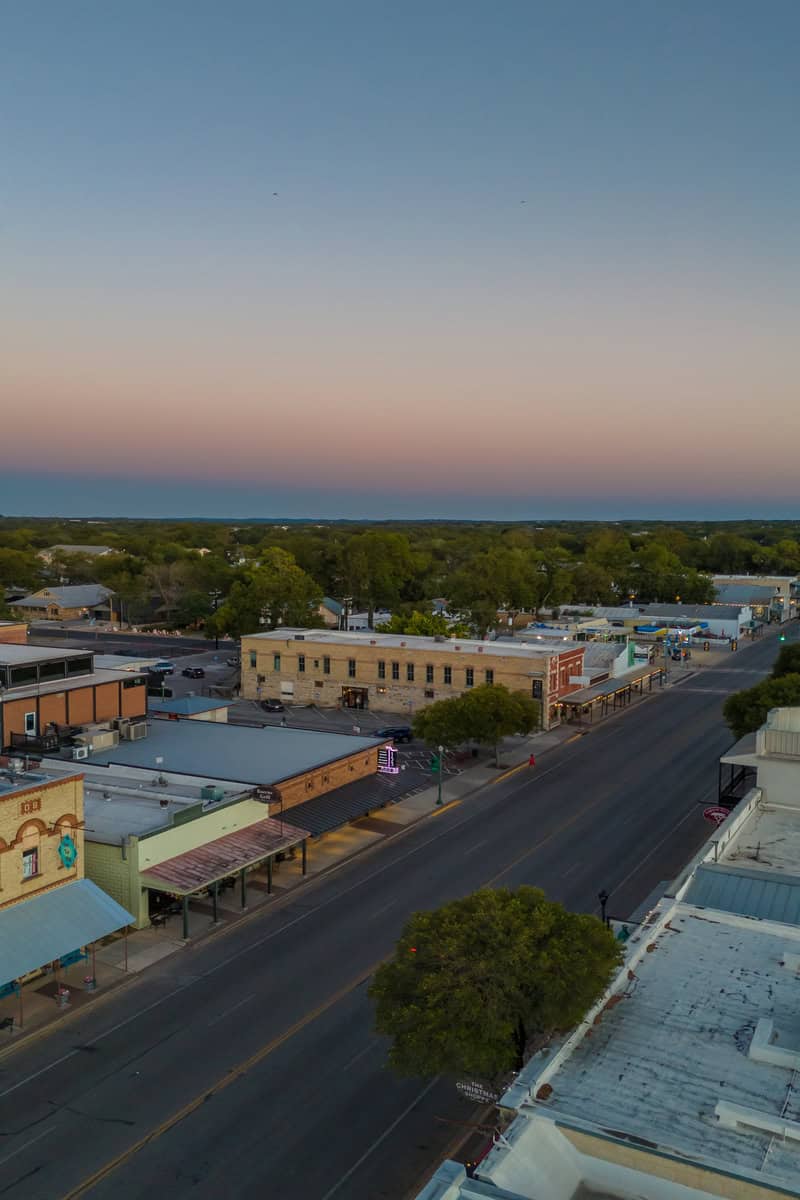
215 595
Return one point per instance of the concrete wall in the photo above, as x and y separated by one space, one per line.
37 818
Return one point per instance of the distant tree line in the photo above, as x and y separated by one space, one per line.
236 578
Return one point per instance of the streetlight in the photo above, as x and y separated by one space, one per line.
604 898
436 765
215 594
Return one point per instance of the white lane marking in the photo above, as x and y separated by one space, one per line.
477 846
227 1012
379 1141
30 1078
693 810
384 907
360 1054
304 916
14 1153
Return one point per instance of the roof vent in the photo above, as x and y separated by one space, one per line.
402 643
372 642
480 649
456 647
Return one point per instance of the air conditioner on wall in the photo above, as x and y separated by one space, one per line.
135 731
79 752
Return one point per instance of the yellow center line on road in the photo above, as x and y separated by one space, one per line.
224 1081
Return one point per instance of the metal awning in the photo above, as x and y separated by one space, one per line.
45 928
197 869
610 687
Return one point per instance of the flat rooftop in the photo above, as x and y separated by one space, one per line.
527 648
14 656
186 706
676 1043
13 783
208 750
119 803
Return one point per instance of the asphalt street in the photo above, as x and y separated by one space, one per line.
247 1062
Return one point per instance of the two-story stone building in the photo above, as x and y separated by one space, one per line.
395 673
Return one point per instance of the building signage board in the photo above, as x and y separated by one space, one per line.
716 815
267 794
387 761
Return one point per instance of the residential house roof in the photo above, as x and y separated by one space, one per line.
79 595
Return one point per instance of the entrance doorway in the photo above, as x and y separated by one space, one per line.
355 697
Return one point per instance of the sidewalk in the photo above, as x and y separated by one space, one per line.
121 960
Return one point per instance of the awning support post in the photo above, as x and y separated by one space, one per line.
21 1020
126 949
214 891
185 907
244 889
269 875
305 856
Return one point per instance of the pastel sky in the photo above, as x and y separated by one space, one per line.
420 259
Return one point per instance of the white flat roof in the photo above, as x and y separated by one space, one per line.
676 1043
768 842
14 656
399 641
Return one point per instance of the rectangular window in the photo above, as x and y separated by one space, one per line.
448 674
536 689
381 669
139 681
276 662
410 672
429 673
470 677
49 671
395 670
489 676
30 863
301 664
326 665
253 659
79 666
22 676
30 722
351 668
429 693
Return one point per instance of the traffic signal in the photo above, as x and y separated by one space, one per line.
782 637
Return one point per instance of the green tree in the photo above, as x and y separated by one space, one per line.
747 710
375 567
484 714
422 624
277 592
788 661
479 982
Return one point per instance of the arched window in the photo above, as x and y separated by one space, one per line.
29 839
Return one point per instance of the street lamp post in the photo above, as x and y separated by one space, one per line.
441 757
603 897
215 595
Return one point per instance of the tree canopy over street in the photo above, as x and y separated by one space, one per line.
747 710
482 981
174 572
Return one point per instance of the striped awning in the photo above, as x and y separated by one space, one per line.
195 870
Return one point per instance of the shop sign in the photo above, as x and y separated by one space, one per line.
716 815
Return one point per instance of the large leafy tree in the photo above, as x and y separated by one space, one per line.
476 984
422 624
277 592
375 567
486 715
747 710
788 661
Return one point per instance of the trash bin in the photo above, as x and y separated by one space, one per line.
706 645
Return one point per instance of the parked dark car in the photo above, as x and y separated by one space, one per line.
272 706
193 672
398 733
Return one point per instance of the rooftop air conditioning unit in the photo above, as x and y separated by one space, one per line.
134 731
79 752
121 723
299 637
